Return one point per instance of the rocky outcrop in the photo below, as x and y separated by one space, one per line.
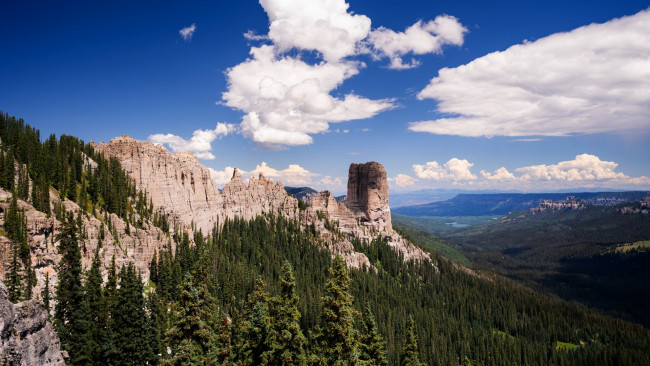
26 335
179 185
368 194
570 203
364 216
126 244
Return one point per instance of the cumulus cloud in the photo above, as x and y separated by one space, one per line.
499 175
286 99
222 177
187 32
590 80
420 38
200 144
403 180
585 170
454 170
584 167
325 26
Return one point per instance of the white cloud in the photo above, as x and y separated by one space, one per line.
222 177
325 26
200 144
584 167
293 175
582 172
403 180
285 99
420 38
454 170
499 175
590 80
187 32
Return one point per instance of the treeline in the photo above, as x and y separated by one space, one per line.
30 166
245 293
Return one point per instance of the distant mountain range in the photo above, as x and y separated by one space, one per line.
466 204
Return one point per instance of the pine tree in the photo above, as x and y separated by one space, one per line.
256 345
288 342
131 321
410 353
72 316
96 304
191 339
14 276
337 339
373 346
45 294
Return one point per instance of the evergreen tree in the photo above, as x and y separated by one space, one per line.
190 338
410 353
256 346
96 304
131 321
14 276
45 294
288 342
72 316
373 346
337 339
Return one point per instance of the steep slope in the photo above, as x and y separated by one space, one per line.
181 187
26 335
178 184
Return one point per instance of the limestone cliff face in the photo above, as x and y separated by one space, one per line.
26 336
182 187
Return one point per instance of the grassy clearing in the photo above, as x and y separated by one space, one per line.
639 245
565 346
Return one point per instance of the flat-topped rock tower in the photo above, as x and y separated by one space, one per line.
368 194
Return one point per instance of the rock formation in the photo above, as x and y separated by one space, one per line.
179 185
365 215
368 194
26 336
570 203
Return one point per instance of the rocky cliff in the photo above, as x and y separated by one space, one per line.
368 194
179 185
26 336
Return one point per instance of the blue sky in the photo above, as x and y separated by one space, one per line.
566 107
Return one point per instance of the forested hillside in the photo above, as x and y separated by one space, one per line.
267 291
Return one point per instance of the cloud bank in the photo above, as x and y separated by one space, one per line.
585 170
590 80
286 100
200 143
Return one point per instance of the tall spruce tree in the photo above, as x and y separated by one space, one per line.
191 339
256 347
72 315
410 353
373 346
131 321
98 315
287 341
337 340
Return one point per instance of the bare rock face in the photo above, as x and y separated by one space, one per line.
177 183
26 336
368 194
181 186
365 216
